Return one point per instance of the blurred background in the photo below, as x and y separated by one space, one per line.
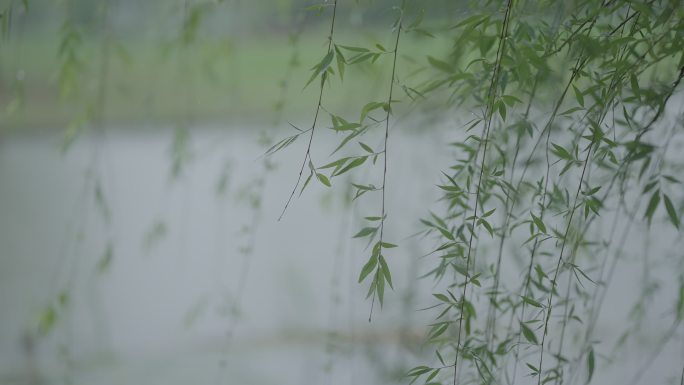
163 61
139 232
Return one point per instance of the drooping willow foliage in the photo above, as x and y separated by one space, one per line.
568 120
568 160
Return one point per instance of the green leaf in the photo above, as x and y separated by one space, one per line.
372 288
326 61
321 67
423 32
529 334
510 100
368 108
340 124
418 370
576 268
341 62
532 302
671 212
472 20
561 152
47 320
105 259
441 297
63 299
652 205
368 267
460 269
380 286
281 144
366 147
635 85
306 183
353 49
439 356
591 191
590 365
432 375
385 270
366 231
323 179
349 137
440 65
486 225
535 371
571 110
446 233
488 213
578 96
438 330
538 222
377 248
501 106
360 58
354 163
337 164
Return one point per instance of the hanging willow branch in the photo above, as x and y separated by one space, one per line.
382 273
322 69
489 111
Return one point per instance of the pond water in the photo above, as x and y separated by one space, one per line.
160 285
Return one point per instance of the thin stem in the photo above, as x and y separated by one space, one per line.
491 94
558 264
307 154
387 126
535 247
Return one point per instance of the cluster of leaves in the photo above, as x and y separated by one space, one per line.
355 55
614 45
568 109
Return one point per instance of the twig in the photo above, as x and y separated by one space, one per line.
387 123
307 155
